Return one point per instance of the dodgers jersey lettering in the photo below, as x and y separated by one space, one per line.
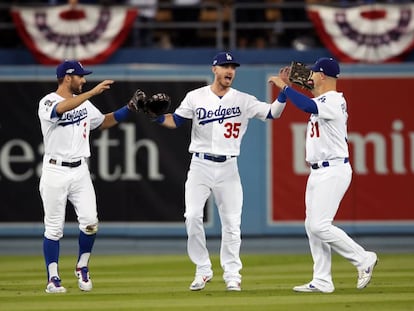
70 131
220 123
327 131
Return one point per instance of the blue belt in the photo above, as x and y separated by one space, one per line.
214 158
68 164
315 166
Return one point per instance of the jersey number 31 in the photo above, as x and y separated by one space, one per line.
314 132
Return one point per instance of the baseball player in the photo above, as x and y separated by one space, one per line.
66 118
220 115
330 175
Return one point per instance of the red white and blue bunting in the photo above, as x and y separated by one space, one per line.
372 33
88 33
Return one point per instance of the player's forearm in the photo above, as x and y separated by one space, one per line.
166 120
301 101
276 108
278 105
71 103
109 121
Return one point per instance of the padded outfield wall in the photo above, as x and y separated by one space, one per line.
139 168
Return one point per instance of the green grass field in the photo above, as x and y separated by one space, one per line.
144 282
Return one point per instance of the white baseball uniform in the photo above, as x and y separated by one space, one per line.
329 179
66 141
218 126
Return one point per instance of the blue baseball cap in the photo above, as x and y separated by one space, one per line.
224 58
327 65
71 67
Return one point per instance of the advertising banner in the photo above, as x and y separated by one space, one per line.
139 168
381 144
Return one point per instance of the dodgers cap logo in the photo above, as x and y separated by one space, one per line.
224 58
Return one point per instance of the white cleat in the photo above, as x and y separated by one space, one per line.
365 275
200 282
233 286
54 286
84 281
310 288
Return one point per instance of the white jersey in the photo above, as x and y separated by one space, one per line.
326 137
67 137
220 123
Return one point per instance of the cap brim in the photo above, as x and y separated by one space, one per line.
313 68
228 63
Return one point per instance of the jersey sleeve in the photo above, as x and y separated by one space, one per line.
47 108
256 108
185 109
330 105
96 117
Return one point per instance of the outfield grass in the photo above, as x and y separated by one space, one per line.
144 282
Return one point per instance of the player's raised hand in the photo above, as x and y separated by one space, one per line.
282 79
276 80
284 74
104 85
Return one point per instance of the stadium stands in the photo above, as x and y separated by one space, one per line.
274 26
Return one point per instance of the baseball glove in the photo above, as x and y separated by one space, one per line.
157 104
137 101
300 75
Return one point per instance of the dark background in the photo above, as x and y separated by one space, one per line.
143 200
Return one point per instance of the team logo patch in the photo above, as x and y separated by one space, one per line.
49 103
322 99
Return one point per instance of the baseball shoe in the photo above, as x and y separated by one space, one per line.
54 286
200 282
84 281
233 286
365 275
310 288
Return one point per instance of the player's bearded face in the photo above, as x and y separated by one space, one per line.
76 84
225 75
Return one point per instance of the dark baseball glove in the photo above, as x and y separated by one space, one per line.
158 104
300 75
137 101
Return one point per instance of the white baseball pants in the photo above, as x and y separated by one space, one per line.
324 191
58 184
206 177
